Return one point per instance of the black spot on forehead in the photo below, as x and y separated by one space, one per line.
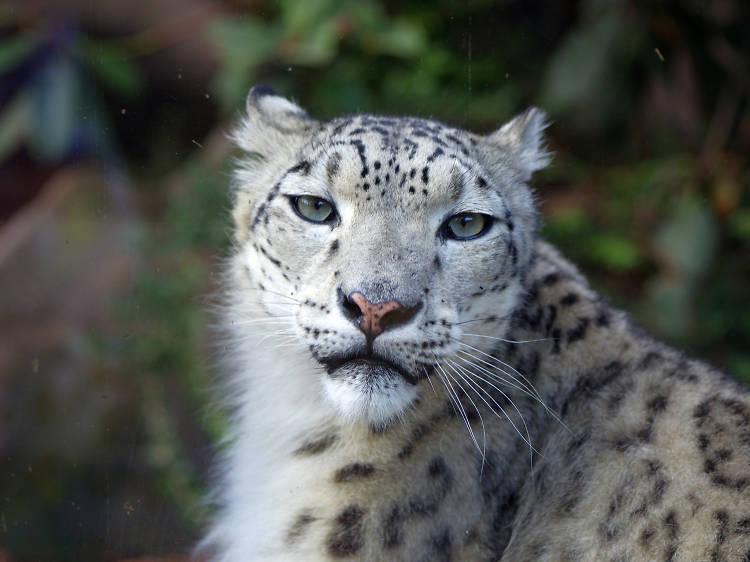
399 134
396 155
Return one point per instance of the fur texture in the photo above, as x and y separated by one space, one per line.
512 414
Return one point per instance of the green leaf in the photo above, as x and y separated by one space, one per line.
687 240
14 49
111 65
94 124
590 73
298 17
569 221
54 114
614 252
244 44
669 308
739 366
578 67
247 41
15 123
398 38
315 48
739 224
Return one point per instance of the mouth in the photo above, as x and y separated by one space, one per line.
365 367
366 387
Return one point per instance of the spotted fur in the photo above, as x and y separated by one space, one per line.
511 415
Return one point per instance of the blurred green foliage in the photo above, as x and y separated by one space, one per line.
58 110
166 320
649 191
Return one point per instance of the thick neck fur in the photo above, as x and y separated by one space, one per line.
303 483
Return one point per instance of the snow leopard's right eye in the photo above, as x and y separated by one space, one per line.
313 209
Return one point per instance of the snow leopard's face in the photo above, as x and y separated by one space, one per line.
385 246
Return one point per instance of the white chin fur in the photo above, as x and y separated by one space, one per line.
378 402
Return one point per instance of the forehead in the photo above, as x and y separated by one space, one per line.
372 157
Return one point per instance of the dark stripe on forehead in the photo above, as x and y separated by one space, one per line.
360 146
332 166
454 139
456 183
340 125
302 168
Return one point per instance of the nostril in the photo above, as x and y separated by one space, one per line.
398 316
349 307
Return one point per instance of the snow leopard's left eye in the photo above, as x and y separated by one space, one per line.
313 209
467 226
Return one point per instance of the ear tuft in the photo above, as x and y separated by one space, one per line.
523 139
261 90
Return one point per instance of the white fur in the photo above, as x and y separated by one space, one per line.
275 412
378 406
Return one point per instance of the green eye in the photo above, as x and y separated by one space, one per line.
312 208
467 226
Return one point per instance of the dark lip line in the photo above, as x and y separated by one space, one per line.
334 363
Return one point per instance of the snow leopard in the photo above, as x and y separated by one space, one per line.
414 375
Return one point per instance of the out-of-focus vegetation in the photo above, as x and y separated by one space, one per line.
649 193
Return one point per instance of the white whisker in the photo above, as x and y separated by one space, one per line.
482 449
474 320
282 295
504 340
526 380
529 390
527 438
457 403
429 380
518 385
269 320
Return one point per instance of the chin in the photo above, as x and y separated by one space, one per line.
370 392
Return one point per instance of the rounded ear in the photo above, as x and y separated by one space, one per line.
264 103
522 140
269 119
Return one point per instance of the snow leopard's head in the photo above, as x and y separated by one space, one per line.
384 247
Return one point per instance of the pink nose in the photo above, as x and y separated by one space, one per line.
376 317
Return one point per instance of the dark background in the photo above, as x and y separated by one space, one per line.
113 206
